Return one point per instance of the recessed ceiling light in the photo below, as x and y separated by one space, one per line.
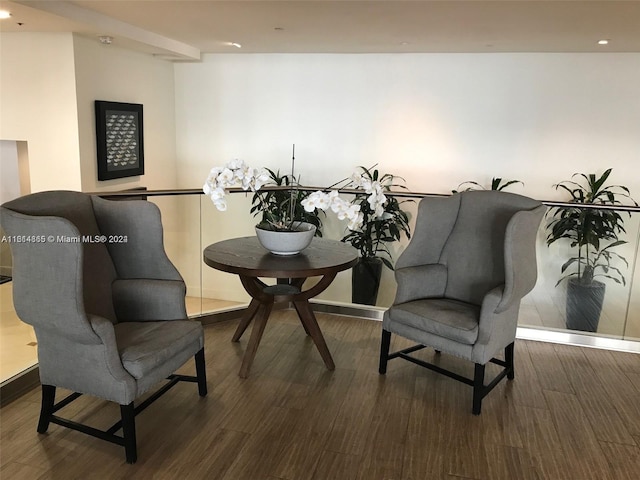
603 42
4 14
234 44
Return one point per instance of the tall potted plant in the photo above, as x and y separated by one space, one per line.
383 222
593 234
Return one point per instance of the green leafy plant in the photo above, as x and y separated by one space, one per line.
593 233
383 221
497 183
282 208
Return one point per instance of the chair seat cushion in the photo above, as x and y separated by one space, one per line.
452 319
145 345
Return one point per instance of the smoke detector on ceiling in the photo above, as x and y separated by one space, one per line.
105 40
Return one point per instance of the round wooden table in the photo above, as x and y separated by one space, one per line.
249 260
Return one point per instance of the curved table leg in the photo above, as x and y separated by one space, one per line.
263 311
304 325
246 319
310 324
263 298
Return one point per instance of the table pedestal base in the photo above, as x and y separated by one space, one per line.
263 298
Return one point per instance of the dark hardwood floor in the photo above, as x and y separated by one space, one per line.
571 413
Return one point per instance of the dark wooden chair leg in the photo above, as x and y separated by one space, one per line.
384 351
46 408
508 358
478 389
201 373
129 432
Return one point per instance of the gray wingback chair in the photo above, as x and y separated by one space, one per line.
106 303
460 281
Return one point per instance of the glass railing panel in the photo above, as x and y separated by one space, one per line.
600 308
181 226
222 290
632 324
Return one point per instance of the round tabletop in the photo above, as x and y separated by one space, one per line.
245 256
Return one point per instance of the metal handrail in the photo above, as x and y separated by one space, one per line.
353 191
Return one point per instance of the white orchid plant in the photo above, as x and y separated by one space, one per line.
237 173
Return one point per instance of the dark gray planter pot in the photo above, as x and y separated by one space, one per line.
365 281
584 305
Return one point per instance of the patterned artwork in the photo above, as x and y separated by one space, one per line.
122 139
119 139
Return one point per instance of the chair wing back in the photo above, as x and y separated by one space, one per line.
521 270
136 246
434 222
68 277
466 234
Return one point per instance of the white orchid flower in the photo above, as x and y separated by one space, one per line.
338 204
315 200
225 178
348 211
235 164
220 204
241 173
356 222
376 202
260 177
217 193
356 179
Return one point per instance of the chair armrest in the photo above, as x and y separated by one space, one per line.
149 300
104 329
497 326
422 281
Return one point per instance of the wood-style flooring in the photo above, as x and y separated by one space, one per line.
571 413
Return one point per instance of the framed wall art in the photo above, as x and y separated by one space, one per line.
119 138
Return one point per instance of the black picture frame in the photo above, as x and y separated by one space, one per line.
119 139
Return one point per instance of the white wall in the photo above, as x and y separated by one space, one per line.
38 105
435 119
106 72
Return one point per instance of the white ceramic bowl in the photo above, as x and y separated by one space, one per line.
287 243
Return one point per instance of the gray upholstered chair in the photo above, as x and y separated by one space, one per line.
460 281
106 303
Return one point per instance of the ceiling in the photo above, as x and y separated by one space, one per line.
185 29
